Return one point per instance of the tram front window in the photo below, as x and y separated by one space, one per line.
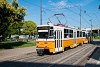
43 34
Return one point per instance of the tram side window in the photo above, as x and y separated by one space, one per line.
51 34
71 33
77 33
80 33
88 34
83 34
51 27
64 31
66 34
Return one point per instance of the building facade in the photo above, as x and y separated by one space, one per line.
94 30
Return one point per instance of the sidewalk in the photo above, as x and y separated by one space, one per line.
15 52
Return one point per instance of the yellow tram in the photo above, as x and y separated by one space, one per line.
55 38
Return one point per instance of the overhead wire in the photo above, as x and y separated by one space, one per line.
36 5
69 10
90 17
54 11
97 19
64 8
46 8
43 9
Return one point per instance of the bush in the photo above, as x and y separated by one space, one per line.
97 37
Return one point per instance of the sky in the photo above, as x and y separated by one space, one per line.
70 8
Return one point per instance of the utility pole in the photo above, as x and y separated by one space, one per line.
80 17
40 12
91 38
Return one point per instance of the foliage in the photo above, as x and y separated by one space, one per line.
29 28
94 34
97 37
10 15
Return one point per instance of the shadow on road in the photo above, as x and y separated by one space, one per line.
30 64
33 64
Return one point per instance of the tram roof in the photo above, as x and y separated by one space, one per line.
60 26
43 25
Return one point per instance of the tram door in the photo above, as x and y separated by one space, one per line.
58 40
75 38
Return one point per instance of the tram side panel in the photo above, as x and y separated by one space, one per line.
40 44
85 40
68 43
79 41
51 46
86 36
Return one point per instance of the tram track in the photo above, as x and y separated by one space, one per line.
37 59
73 56
84 57
27 58
31 58
70 56
54 58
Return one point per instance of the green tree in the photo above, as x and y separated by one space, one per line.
94 34
10 15
29 28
